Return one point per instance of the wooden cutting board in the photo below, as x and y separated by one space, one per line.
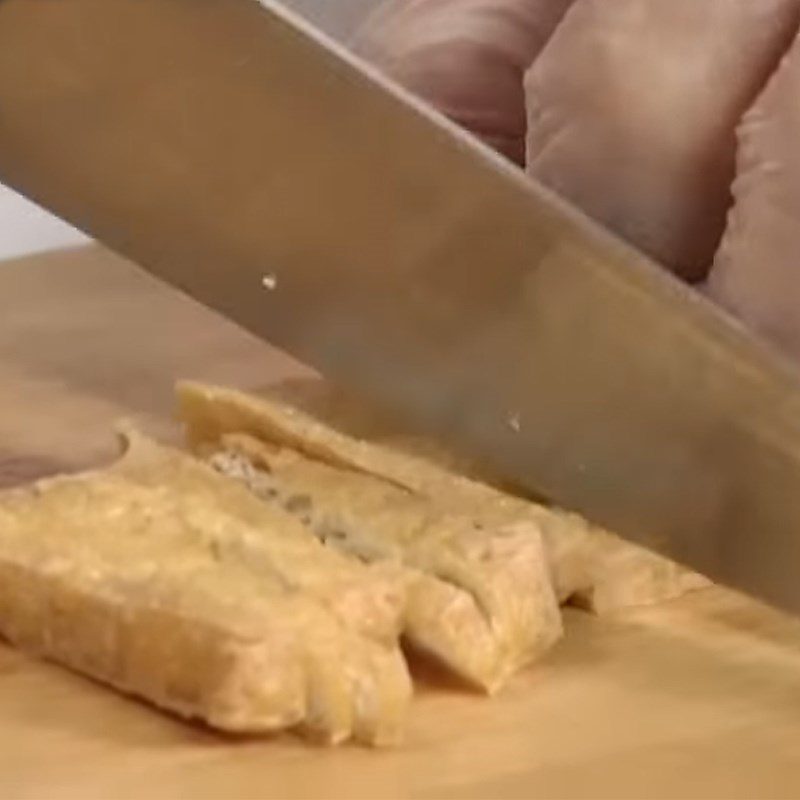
698 699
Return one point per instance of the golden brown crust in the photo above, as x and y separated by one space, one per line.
482 602
479 600
593 568
170 582
590 567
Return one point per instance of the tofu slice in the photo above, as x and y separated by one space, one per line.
171 582
479 601
590 567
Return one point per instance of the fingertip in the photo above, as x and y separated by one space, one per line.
632 108
756 273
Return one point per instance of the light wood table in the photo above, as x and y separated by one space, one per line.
696 699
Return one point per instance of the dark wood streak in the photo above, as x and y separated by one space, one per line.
16 468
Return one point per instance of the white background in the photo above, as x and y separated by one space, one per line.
25 228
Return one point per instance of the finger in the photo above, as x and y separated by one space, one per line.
465 57
632 108
756 273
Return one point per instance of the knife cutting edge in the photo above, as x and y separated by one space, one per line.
241 156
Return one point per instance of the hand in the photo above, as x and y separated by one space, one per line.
675 123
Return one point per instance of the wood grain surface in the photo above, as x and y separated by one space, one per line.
696 699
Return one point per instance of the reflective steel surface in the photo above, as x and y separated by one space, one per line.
235 153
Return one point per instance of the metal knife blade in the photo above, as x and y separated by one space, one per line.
237 154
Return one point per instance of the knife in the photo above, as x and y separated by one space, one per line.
238 154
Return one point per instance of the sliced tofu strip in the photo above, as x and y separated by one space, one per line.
590 567
171 582
479 600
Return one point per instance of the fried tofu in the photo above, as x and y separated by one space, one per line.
480 599
589 566
175 584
